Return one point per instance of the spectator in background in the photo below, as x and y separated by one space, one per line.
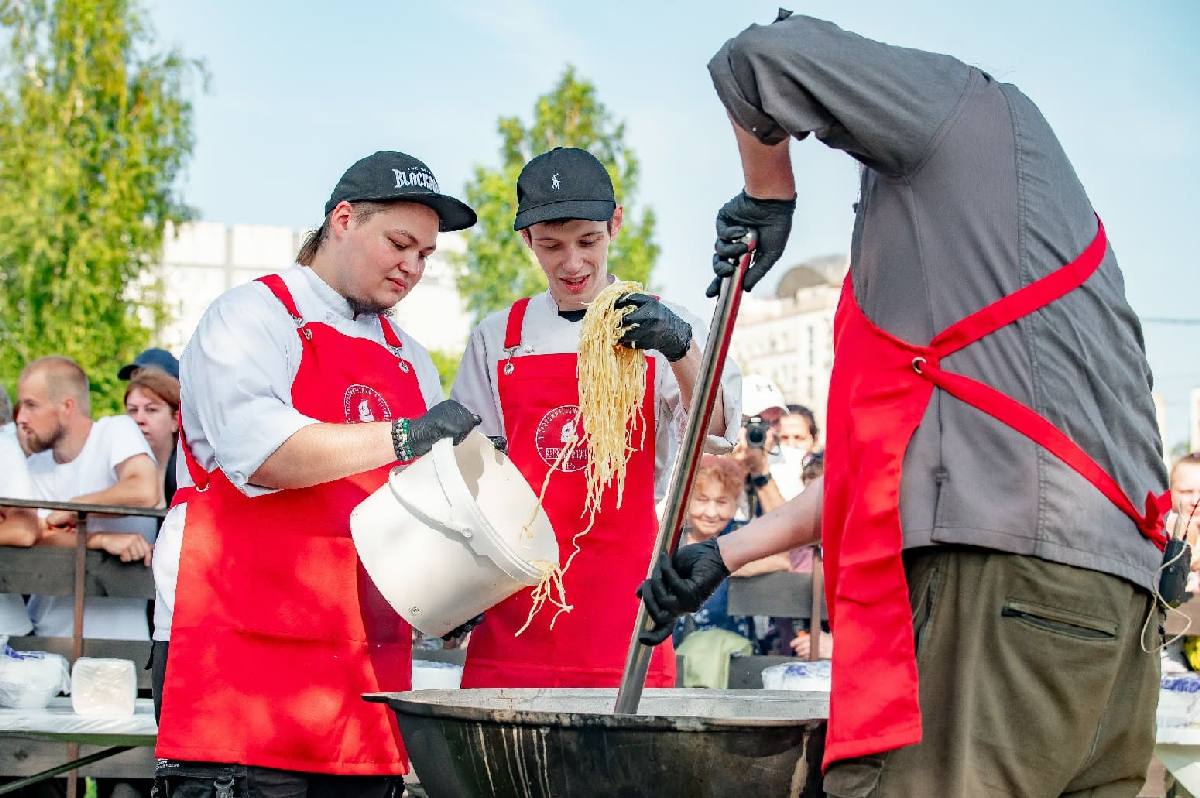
1185 520
707 637
152 401
711 507
775 469
154 357
1185 503
106 461
8 422
18 526
757 447
7 427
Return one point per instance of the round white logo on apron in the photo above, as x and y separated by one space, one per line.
363 403
558 428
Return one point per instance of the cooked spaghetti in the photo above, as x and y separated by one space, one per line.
612 384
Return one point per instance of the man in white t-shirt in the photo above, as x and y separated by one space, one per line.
106 461
18 527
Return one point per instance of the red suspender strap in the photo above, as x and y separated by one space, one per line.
199 475
1021 303
516 320
389 334
275 283
1024 420
1019 417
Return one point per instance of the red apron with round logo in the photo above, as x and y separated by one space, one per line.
277 630
539 396
878 393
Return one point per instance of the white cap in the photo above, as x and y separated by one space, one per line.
760 395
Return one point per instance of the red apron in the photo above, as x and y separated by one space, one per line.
878 393
539 396
278 631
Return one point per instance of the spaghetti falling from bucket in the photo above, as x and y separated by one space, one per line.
612 385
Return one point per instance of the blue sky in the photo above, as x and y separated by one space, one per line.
299 91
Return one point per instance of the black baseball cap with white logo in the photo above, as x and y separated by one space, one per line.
394 176
565 183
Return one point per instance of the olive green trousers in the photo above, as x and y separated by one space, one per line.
1034 682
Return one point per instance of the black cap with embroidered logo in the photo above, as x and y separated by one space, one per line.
394 176
565 183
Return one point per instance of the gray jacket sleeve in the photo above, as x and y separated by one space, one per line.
884 105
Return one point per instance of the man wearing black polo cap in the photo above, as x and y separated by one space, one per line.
299 394
519 375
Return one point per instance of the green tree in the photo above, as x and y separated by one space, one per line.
446 362
95 127
497 267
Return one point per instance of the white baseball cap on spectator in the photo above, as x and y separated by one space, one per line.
761 397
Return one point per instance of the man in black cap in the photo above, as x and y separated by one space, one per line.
519 375
299 394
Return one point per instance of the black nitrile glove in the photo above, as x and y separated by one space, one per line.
771 220
446 419
681 586
462 629
500 442
652 325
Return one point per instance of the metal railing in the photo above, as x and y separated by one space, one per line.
82 512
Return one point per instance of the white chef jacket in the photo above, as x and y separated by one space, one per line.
236 375
545 332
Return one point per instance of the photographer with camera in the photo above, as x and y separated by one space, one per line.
758 444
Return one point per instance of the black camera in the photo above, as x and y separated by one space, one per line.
756 432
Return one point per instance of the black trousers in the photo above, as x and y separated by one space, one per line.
210 780
158 674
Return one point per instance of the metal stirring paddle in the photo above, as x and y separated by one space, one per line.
633 680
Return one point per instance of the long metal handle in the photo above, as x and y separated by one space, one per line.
704 396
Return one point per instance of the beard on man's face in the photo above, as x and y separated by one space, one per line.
359 307
36 443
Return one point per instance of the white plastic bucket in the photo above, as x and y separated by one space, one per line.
445 538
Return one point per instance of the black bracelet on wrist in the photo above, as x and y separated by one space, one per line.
761 480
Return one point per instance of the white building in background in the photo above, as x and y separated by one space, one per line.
789 338
202 260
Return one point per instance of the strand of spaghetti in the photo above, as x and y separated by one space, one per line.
551 574
563 454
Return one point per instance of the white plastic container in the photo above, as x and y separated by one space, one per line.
1179 700
427 675
29 679
103 687
445 538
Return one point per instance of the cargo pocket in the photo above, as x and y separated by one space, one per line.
925 580
854 778
1064 623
